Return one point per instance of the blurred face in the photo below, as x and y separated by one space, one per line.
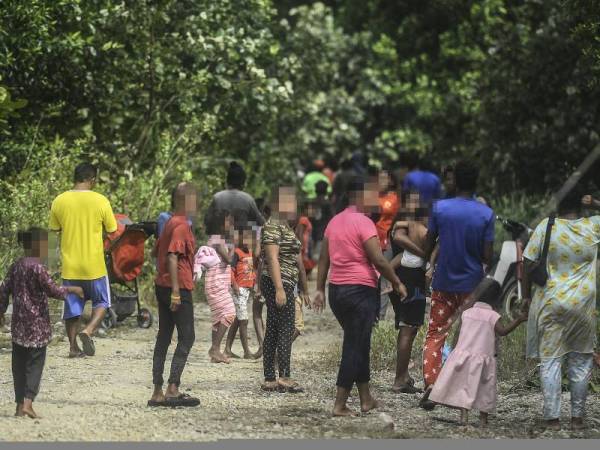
37 248
368 200
384 180
247 238
413 201
287 204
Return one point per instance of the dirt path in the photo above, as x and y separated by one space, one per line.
104 398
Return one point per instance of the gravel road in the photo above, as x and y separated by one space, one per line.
104 398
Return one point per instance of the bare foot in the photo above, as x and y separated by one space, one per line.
258 353
218 357
344 411
28 411
269 386
369 405
19 410
248 356
230 354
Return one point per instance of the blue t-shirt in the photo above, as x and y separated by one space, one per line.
463 226
427 184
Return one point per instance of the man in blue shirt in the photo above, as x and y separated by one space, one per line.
421 180
464 230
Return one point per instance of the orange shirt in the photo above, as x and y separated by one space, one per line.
389 204
243 268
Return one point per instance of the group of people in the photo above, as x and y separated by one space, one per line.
373 236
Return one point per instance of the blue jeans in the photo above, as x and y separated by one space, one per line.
579 372
355 307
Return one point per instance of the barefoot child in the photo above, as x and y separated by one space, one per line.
30 285
468 379
218 285
409 235
244 278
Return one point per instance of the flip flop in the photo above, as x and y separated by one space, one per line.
73 355
154 403
182 400
407 389
87 343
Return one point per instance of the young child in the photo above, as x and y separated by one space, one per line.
468 379
30 285
218 284
408 239
244 278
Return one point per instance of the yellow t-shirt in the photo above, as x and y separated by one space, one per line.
80 217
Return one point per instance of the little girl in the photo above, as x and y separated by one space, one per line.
218 284
468 379
30 285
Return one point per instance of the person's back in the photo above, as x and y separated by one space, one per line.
477 335
81 217
463 225
426 183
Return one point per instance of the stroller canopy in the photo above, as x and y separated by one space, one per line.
125 249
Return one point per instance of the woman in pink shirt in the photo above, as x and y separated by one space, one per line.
352 256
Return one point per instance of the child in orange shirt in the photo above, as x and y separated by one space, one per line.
244 277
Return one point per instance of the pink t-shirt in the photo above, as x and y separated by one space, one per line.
347 232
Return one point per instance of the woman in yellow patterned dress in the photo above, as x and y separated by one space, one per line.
562 316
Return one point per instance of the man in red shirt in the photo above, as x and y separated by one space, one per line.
174 284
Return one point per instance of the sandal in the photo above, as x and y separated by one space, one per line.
407 389
182 400
425 403
87 343
155 403
77 355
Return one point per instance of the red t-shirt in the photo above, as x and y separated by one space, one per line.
177 237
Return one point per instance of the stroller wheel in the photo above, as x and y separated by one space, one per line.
110 319
144 318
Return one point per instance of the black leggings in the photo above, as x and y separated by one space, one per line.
280 330
27 368
355 307
183 319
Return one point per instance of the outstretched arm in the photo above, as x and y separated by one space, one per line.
502 330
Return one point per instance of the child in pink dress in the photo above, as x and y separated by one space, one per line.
468 379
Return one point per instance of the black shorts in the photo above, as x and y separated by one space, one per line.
410 312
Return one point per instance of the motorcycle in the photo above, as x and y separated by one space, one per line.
508 269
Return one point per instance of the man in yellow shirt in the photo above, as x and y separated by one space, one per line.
81 216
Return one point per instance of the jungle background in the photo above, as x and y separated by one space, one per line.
156 92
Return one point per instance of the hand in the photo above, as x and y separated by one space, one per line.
429 276
586 200
306 300
319 301
399 288
451 321
280 298
175 300
236 289
77 290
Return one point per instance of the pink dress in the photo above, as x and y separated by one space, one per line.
468 379
218 289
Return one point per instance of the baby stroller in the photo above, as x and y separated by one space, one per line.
124 254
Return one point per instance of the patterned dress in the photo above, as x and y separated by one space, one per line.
218 289
563 313
30 285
